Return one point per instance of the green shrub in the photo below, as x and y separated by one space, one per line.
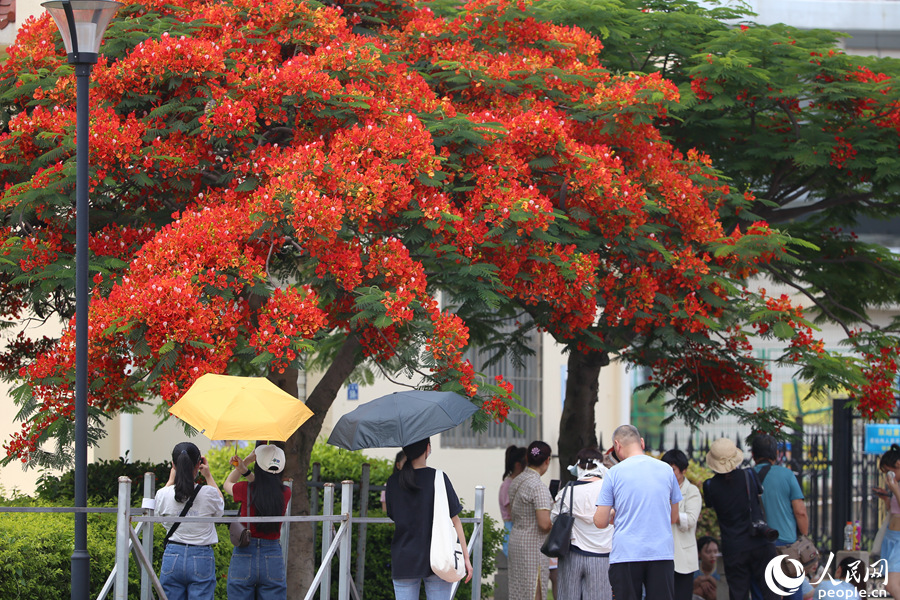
102 482
36 548
36 552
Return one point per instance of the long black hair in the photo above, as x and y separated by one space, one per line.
890 458
185 457
267 496
515 455
407 473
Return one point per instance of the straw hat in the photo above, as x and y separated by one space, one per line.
724 456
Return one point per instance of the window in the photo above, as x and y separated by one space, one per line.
526 383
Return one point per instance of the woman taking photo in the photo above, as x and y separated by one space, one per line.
188 565
410 505
890 546
584 571
256 571
530 504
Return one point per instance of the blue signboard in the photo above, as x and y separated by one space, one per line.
880 437
352 391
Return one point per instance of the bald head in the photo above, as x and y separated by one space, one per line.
627 441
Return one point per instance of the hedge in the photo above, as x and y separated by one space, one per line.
36 548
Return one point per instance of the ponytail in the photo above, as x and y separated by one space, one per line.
185 457
407 473
514 455
891 457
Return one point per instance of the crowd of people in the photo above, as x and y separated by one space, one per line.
635 526
633 536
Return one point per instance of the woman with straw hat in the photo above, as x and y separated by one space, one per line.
747 545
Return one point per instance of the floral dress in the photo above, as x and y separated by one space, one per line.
528 568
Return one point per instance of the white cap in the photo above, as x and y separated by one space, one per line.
270 458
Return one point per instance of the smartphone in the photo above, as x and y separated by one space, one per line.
554 487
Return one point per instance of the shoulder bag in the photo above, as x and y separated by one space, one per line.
184 511
240 532
560 537
758 525
803 550
447 560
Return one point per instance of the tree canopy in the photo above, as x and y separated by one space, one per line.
279 183
287 185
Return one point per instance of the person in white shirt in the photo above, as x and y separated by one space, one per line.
684 529
188 568
584 571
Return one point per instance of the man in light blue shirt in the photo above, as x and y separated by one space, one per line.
642 495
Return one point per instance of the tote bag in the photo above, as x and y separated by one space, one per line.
447 560
556 545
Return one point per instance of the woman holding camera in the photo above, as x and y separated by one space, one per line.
256 571
188 564
747 542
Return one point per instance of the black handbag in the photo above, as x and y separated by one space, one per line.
560 537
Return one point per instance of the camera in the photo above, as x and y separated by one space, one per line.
762 529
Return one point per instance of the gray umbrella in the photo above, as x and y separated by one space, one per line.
401 418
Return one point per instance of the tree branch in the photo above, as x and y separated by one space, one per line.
782 277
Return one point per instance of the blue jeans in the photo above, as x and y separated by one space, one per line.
188 572
435 588
256 572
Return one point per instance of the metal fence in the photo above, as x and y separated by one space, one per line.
134 537
835 473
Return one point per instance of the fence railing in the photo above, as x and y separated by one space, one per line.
835 473
134 536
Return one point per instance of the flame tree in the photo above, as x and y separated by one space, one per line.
288 185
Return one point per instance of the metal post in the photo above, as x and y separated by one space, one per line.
147 537
361 535
344 560
81 560
123 524
286 526
841 476
327 511
478 541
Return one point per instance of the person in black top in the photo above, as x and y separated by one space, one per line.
744 553
410 505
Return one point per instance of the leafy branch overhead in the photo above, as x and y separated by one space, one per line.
273 184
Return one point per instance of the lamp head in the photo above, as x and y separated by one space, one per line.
82 24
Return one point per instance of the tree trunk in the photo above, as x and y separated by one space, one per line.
301 567
577 426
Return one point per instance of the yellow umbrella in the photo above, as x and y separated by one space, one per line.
224 407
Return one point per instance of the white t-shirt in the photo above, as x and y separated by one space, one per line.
585 534
208 503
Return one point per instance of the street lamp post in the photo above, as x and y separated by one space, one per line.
82 24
